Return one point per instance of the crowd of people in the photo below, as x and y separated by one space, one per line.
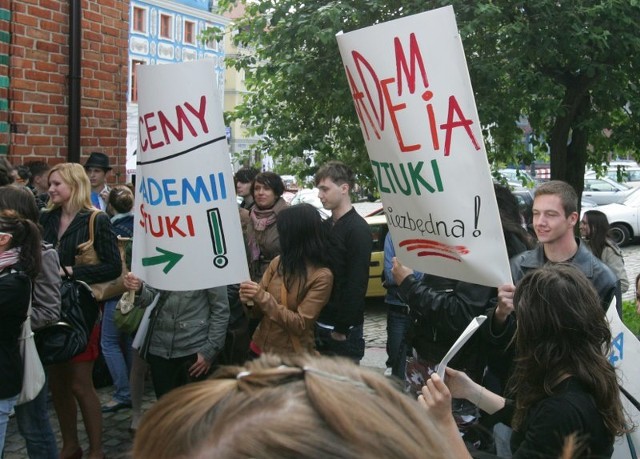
239 369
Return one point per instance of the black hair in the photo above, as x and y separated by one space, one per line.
246 174
303 241
270 180
515 235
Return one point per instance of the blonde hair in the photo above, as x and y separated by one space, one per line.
74 175
294 406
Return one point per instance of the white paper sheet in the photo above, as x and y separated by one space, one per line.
464 337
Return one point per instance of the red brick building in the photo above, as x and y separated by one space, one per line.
63 80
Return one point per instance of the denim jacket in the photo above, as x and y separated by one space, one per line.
185 323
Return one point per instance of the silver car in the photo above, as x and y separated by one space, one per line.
605 190
624 218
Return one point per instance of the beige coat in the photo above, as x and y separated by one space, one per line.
290 328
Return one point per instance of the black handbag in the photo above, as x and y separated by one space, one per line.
68 337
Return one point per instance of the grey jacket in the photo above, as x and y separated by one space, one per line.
185 323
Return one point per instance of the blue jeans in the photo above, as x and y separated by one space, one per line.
398 322
113 342
35 428
352 347
6 405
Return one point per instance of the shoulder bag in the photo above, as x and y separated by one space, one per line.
86 255
33 377
68 337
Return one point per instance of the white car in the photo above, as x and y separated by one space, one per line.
624 218
605 190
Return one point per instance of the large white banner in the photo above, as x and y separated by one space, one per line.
410 85
625 356
187 229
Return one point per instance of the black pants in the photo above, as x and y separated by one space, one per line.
167 374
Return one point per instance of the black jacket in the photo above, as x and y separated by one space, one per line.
350 245
442 308
105 244
15 291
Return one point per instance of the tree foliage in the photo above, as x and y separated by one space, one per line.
570 67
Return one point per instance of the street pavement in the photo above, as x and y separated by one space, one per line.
116 438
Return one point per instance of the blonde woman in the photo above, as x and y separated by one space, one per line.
65 224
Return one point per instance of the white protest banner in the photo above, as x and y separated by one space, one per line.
187 229
410 85
625 355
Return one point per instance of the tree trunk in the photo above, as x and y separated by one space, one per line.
569 139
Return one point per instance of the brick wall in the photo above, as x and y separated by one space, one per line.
38 95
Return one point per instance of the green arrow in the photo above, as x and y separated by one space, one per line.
168 257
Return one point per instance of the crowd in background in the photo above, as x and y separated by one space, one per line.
261 339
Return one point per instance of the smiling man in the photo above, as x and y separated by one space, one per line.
339 330
555 215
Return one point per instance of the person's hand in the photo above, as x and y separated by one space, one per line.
248 291
436 399
104 194
399 271
131 282
460 384
200 367
505 303
69 271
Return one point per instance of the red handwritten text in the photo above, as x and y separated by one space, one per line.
374 96
157 130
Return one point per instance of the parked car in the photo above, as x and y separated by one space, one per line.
517 177
310 196
629 173
605 190
624 218
379 230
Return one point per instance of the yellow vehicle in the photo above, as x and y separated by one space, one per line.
379 229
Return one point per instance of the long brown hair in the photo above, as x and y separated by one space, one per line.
562 331
289 407
598 232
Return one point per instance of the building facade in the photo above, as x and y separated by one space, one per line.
63 79
163 32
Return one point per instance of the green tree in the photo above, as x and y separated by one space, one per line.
569 67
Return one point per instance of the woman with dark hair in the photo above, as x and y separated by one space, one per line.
294 288
20 261
263 244
594 229
33 416
563 383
